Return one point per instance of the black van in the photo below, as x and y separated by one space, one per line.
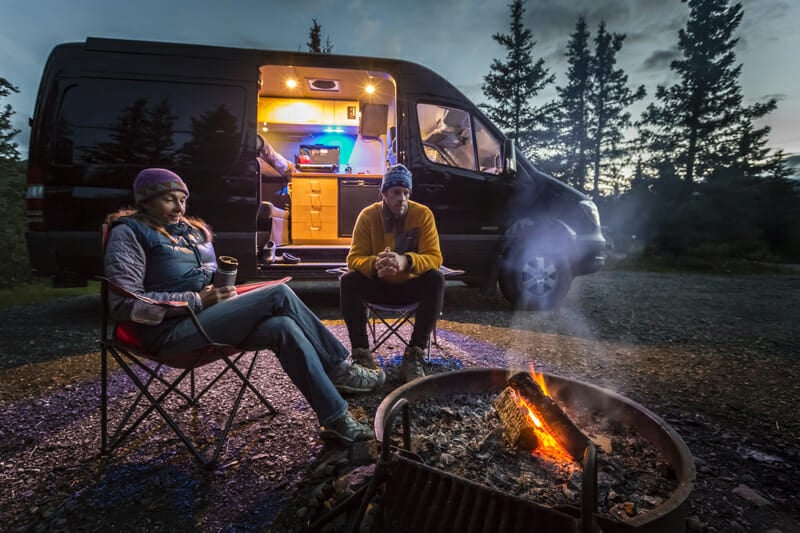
108 108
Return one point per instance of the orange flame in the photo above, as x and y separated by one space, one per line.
539 379
548 445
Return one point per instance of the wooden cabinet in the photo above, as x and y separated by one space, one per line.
314 208
308 111
315 211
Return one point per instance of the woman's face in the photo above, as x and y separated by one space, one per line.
167 208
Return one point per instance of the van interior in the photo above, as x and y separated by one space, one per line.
334 125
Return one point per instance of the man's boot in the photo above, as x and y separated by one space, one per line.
412 366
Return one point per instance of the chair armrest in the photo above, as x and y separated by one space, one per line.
144 299
446 272
247 287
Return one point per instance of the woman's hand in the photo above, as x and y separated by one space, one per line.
211 295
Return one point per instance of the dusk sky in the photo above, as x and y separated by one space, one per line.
453 37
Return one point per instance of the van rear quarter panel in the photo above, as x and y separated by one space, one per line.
107 109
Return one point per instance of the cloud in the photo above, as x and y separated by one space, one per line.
661 59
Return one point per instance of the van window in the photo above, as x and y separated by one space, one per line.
489 149
447 139
110 124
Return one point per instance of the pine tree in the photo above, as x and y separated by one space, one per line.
511 85
8 148
574 110
14 268
696 115
315 40
610 98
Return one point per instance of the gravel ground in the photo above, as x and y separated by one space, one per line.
715 356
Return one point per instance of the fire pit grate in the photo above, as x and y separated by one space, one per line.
430 499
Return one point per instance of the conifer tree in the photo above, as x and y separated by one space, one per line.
574 110
511 84
609 100
8 148
695 120
315 40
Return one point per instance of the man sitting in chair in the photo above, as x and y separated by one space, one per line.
394 259
157 252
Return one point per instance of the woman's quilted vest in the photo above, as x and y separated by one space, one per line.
185 265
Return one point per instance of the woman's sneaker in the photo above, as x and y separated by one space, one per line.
363 357
346 430
359 379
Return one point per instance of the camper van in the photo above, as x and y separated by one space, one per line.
107 108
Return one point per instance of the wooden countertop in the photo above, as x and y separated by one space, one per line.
300 175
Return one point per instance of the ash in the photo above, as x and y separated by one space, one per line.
462 435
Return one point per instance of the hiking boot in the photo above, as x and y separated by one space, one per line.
359 379
411 367
363 357
346 430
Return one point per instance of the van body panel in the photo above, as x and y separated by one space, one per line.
108 108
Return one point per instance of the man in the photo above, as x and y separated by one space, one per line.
394 259
282 166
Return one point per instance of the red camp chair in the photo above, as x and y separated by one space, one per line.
153 392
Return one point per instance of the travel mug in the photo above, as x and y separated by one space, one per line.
225 275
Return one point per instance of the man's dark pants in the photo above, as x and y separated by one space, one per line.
427 290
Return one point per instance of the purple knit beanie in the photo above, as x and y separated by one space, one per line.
396 176
154 181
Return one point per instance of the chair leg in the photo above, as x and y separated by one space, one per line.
103 399
128 423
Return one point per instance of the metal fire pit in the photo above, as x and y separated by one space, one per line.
424 483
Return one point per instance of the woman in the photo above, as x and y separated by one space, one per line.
159 253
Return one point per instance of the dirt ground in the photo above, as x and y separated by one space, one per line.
715 356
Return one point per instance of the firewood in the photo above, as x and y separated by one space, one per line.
557 422
517 432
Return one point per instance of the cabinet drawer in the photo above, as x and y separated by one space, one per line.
314 192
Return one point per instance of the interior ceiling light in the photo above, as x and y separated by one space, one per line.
318 84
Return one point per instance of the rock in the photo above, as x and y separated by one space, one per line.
695 525
746 493
735 527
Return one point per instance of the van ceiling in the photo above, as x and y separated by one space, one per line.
350 83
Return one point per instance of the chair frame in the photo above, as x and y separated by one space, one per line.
393 316
130 357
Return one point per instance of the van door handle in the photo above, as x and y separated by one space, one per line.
432 187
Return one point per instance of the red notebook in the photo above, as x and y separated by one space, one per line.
241 289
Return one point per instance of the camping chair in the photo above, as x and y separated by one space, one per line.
393 317
153 392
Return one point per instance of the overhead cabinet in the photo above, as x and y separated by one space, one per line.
308 111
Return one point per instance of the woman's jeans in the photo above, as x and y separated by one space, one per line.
271 318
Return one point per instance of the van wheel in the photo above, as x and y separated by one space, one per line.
535 280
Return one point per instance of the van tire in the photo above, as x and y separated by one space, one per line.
536 281
535 272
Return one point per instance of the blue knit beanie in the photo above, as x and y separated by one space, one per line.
396 176
154 181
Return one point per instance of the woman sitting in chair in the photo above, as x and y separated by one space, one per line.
157 252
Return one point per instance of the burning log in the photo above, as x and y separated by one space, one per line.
555 420
514 417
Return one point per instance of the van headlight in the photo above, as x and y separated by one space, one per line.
591 211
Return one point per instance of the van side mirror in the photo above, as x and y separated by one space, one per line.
509 158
